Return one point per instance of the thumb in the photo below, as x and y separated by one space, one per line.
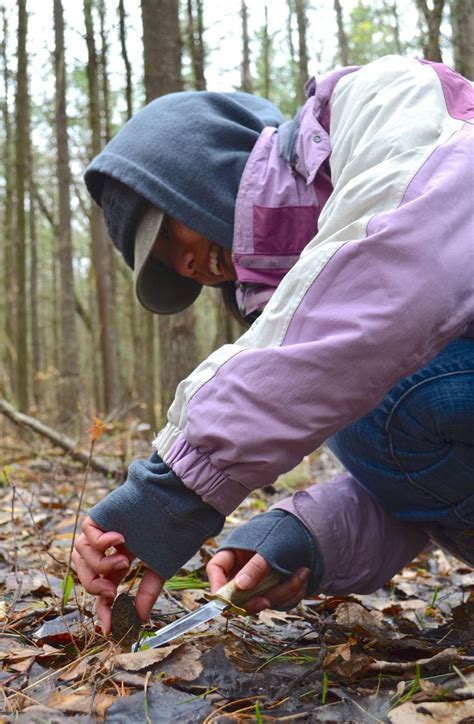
253 572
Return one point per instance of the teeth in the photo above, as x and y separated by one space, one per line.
213 260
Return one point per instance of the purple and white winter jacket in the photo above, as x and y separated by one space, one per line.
384 175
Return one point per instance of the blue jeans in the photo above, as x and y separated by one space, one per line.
415 451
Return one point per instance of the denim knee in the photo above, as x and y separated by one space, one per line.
415 451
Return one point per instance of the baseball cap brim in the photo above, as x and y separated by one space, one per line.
158 287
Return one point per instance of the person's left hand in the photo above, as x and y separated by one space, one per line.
100 573
248 569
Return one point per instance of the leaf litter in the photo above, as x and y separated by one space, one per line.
404 653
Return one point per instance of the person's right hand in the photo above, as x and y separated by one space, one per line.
100 574
248 569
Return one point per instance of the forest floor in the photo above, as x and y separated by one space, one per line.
403 654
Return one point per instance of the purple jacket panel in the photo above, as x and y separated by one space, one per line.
362 546
278 205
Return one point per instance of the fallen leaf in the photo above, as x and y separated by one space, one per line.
268 616
189 601
143 659
432 711
23 665
343 652
81 701
182 665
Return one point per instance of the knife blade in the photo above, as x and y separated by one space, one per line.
227 597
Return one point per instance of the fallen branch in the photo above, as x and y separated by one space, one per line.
448 656
63 441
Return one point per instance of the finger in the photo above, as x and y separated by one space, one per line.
253 572
288 594
148 591
219 569
103 609
91 581
97 561
99 539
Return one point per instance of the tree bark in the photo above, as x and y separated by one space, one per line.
300 6
21 118
246 82
432 18
266 57
341 34
126 60
162 52
462 21
9 358
68 387
195 35
100 250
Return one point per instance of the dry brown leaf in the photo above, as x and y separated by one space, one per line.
353 614
343 651
431 711
76 670
268 616
184 665
17 652
23 665
81 701
188 600
143 659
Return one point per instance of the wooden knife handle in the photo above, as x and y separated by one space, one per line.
237 597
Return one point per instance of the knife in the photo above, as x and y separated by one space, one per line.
229 597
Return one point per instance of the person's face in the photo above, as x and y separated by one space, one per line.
192 255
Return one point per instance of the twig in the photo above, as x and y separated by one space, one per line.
62 441
448 656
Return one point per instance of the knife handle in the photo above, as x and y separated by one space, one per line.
237 596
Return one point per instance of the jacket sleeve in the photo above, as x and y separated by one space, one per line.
360 545
385 284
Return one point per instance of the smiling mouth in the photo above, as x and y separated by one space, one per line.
213 262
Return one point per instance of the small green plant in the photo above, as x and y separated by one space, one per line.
67 585
324 692
258 713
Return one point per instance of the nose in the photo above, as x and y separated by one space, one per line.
186 264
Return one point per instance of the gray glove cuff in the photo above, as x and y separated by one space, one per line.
163 522
284 542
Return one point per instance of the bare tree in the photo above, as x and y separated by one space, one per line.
9 344
432 18
246 75
195 35
126 60
161 40
341 34
300 7
21 145
462 20
68 388
100 242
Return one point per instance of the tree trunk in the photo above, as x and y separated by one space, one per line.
341 34
462 21
68 387
126 60
100 249
33 298
195 34
21 118
291 48
432 18
266 56
104 75
161 47
246 83
302 48
162 52
9 360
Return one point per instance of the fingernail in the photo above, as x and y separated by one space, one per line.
304 575
243 580
120 566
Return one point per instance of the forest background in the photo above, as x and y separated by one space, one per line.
74 342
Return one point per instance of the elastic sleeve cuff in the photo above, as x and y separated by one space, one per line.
284 542
163 522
